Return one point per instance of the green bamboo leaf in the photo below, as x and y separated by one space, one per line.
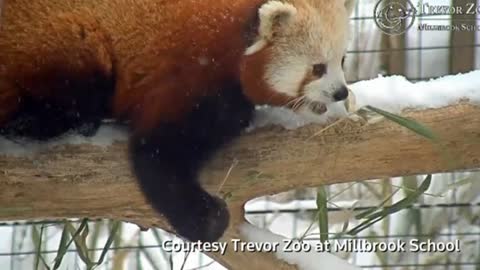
119 255
68 226
37 241
406 122
62 248
322 213
386 190
398 206
407 201
12 246
409 185
368 223
94 235
138 254
111 238
366 214
79 240
315 218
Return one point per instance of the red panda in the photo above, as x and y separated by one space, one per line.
184 74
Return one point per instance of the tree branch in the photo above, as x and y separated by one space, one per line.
93 181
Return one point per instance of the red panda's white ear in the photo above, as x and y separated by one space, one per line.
273 17
350 6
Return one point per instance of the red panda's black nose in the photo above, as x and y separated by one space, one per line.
341 94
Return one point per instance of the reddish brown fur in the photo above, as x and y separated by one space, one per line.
151 49
252 68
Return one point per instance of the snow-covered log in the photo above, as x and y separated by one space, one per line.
88 178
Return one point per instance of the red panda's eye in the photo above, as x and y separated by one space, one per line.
319 70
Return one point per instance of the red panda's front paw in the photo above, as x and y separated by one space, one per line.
206 222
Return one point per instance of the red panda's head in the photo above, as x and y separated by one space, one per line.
297 55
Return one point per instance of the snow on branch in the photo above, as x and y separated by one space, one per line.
90 177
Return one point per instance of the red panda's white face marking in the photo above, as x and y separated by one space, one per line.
307 42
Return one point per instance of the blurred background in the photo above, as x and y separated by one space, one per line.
445 209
